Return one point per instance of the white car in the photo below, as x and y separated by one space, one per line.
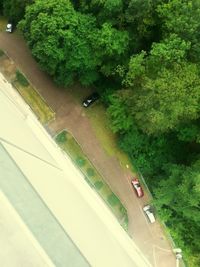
9 27
149 213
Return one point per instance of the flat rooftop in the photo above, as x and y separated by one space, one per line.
37 217
18 247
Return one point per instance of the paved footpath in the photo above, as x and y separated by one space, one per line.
70 115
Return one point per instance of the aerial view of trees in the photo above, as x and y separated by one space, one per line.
14 9
144 59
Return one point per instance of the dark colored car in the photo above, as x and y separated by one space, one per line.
91 99
137 187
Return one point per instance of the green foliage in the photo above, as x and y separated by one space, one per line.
123 210
21 79
15 9
98 185
68 44
111 41
113 200
112 46
188 14
105 10
1 7
169 99
1 53
61 137
183 18
151 153
90 172
189 132
80 161
141 15
136 70
167 52
125 223
60 39
183 200
93 178
89 181
119 114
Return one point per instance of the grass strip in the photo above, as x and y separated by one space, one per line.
101 126
33 99
21 79
1 53
3 23
67 142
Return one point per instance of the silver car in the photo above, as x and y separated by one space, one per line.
149 213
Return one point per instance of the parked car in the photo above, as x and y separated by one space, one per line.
149 213
91 99
9 27
137 187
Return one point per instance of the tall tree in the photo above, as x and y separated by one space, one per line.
68 44
15 9
178 201
167 52
61 40
1 7
183 18
165 101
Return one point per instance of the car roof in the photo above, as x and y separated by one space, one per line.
150 216
134 180
147 207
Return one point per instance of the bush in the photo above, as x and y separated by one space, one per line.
61 137
98 185
21 79
113 200
90 172
1 53
122 209
80 161
125 223
88 181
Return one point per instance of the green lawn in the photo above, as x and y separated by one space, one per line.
95 180
108 140
33 99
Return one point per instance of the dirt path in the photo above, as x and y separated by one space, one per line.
70 115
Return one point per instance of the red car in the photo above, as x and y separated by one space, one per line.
137 187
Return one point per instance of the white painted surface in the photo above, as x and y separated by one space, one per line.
18 248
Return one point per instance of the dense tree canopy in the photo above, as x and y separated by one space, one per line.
144 58
180 206
166 101
14 9
68 44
